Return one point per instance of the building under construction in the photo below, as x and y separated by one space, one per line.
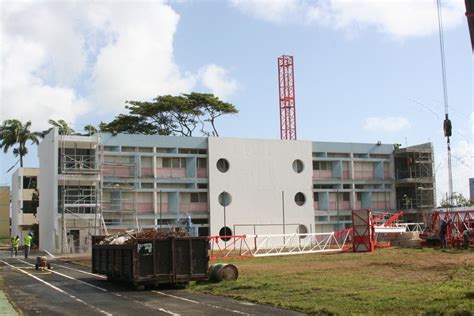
224 186
415 180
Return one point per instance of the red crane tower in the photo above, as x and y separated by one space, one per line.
286 82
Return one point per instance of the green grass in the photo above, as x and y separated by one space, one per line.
388 281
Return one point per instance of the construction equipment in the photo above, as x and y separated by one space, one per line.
458 221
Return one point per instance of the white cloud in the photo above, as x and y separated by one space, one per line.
138 63
399 19
386 124
62 60
216 79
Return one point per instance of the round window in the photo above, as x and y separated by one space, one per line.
225 199
302 229
225 231
298 166
222 165
300 199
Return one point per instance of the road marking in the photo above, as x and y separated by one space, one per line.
70 278
58 289
196 302
105 290
81 271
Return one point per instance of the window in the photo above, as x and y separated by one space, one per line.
298 166
359 196
166 163
225 199
316 196
29 207
321 165
202 185
300 199
323 186
145 149
346 186
346 196
302 229
200 197
202 163
222 165
29 182
128 149
338 155
174 163
147 185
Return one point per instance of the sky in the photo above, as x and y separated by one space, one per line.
365 70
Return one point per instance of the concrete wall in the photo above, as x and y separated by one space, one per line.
259 171
19 219
4 211
48 184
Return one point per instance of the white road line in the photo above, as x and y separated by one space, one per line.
58 289
69 277
196 302
81 271
102 289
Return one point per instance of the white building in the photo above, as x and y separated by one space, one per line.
24 183
89 184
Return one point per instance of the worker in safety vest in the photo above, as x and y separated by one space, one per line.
15 242
27 243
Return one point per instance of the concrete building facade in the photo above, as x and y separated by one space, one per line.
4 211
94 184
24 184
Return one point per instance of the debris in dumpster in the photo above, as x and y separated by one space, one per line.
128 236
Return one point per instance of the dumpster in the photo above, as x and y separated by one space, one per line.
150 262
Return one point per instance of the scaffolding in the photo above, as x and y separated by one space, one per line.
118 190
78 191
414 176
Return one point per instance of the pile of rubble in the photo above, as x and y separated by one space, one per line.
130 235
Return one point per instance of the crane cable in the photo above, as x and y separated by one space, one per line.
447 126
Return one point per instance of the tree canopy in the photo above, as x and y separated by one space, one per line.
14 132
171 115
457 200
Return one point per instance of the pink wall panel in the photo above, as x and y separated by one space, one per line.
322 174
144 207
170 172
202 173
316 205
193 207
147 172
116 171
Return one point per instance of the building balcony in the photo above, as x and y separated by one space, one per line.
170 172
363 175
322 174
117 171
202 173
194 207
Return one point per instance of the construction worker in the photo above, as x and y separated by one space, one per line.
15 242
27 243
442 234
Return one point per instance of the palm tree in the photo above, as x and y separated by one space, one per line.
14 132
90 130
63 127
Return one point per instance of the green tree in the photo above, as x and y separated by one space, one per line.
171 115
90 130
63 127
457 200
13 132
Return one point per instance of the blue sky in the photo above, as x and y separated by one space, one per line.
359 67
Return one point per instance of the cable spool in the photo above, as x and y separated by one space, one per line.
223 272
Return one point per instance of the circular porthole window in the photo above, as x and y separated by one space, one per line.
225 199
300 199
298 166
225 231
222 165
302 229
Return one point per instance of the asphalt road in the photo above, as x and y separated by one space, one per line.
69 289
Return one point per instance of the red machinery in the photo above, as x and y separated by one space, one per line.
457 220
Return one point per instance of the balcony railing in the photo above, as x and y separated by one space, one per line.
77 163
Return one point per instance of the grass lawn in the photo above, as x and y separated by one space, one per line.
388 281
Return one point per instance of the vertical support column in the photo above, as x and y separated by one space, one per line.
287 97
